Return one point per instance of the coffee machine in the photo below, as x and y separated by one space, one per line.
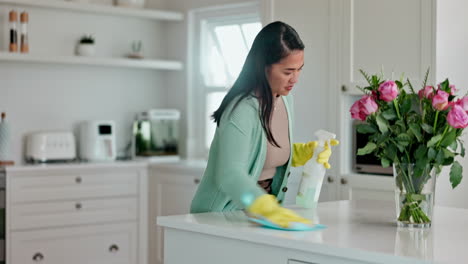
156 133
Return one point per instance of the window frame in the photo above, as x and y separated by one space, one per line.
197 90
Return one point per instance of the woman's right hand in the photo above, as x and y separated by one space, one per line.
266 206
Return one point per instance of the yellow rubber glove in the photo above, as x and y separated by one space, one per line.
324 156
302 152
267 207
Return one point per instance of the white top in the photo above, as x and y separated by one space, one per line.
364 230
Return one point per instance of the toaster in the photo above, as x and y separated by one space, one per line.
50 146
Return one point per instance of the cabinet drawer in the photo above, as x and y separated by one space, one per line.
26 188
63 213
103 244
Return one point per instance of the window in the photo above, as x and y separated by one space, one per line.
224 39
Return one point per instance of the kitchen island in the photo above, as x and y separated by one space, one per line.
357 232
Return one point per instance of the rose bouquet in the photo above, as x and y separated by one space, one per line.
418 132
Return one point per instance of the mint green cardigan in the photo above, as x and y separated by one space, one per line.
236 159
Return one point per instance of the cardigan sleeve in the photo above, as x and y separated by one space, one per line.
232 175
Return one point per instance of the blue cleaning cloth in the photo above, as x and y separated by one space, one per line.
295 227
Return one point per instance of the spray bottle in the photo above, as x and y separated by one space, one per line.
313 174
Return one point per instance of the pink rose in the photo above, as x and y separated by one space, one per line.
463 103
363 107
440 100
426 92
388 91
356 111
457 117
453 90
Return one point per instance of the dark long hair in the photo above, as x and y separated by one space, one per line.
273 43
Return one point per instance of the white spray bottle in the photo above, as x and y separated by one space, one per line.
313 174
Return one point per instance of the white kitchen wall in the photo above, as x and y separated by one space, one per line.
310 94
178 93
452 62
50 96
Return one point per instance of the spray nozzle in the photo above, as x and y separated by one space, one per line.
323 136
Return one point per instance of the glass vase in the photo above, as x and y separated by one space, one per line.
414 194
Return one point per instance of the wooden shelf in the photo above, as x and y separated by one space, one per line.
93 61
99 9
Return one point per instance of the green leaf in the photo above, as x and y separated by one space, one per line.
424 84
403 139
448 161
406 105
449 157
420 167
420 152
431 153
454 145
399 127
434 140
391 152
410 86
440 157
427 128
365 129
399 84
385 162
456 174
367 149
444 86
366 76
382 124
375 80
448 153
462 152
449 138
389 114
416 131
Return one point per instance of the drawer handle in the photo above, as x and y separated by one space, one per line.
38 257
113 248
197 181
78 179
78 206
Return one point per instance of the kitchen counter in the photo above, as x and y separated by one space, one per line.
74 165
138 162
357 232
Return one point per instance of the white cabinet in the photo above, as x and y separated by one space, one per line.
171 190
98 244
394 36
89 213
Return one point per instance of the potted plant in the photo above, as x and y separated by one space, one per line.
86 46
131 3
136 50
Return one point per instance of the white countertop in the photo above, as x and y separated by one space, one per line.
162 162
75 165
363 229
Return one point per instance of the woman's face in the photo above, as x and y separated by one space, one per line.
283 75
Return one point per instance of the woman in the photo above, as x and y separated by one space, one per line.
250 155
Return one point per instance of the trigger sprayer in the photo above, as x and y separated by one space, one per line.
313 174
